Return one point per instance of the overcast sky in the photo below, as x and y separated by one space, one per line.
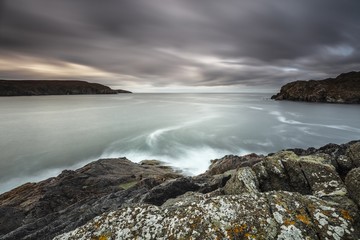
179 45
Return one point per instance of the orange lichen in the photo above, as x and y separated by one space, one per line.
248 235
97 225
303 218
288 222
102 237
237 231
345 214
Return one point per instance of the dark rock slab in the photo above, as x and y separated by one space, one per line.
37 210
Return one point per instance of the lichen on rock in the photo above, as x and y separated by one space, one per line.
293 194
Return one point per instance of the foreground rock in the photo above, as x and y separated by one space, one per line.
271 215
293 194
345 88
39 210
51 87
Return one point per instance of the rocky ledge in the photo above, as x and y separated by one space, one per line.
53 87
345 88
291 194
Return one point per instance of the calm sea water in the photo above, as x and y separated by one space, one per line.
41 136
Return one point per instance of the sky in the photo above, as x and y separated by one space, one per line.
179 45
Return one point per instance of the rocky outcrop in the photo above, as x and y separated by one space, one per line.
352 182
229 162
52 87
39 210
122 91
345 88
292 194
270 215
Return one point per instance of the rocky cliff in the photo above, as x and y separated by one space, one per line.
292 194
52 87
345 88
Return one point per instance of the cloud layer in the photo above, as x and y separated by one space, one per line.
149 45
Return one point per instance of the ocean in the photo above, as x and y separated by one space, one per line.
42 135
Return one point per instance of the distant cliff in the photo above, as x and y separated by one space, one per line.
53 87
345 88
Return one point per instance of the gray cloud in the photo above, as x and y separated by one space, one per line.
179 42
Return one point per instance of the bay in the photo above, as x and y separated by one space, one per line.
42 135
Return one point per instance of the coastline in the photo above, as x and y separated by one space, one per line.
106 185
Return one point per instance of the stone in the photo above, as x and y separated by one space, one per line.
230 162
170 189
272 215
353 153
322 178
271 172
244 180
57 203
294 194
352 182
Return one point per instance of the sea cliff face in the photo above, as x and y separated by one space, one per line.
345 88
291 194
52 87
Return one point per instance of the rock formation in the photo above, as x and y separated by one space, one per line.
292 194
345 88
52 87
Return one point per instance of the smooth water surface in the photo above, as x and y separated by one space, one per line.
41 136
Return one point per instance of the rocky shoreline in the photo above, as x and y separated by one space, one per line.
345 88
292 194
53 87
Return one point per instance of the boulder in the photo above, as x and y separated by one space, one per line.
353 153
229 162
352 182
244 180
170 189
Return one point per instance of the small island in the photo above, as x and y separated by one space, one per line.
345 88
53 87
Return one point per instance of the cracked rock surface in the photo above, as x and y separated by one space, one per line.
292 194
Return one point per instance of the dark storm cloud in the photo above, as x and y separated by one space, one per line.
180 42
